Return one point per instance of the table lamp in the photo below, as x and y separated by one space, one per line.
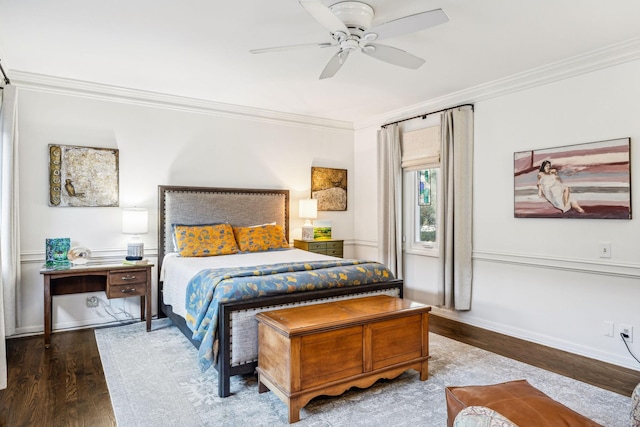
308 209
135 221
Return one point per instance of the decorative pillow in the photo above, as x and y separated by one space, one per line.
480 416
635 407
205 240
260 238
173 231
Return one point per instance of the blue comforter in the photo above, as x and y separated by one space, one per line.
210 287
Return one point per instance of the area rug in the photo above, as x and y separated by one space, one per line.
154 380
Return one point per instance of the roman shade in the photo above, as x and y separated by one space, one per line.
421 148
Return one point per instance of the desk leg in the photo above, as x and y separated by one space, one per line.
148 305
47 311
147 301
145 310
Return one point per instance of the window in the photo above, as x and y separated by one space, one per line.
421 211
421 165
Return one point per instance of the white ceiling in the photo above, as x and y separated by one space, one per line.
200 48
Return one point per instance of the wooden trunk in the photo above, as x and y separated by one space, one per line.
325 349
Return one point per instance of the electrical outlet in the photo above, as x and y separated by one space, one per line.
92 301
628 331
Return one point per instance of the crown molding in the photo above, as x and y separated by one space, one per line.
595 60
608 56
79 88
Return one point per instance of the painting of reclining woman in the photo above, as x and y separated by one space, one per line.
576 181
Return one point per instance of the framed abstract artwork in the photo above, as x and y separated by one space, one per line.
83 176
329 186
591 180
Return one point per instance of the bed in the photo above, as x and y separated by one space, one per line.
235 325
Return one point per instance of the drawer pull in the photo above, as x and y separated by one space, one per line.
128 277
127 291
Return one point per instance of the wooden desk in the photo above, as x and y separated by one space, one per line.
116 280
325 349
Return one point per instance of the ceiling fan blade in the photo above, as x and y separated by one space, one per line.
408 24
393 56
290 47
324 16
334 64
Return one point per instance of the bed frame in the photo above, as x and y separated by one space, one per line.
238 327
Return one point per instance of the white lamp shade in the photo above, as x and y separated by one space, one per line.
135 221
308 208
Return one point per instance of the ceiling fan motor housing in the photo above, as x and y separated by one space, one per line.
357 16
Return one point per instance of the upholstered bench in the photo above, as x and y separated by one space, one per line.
518 401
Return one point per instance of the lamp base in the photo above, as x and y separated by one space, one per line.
135 251
307 232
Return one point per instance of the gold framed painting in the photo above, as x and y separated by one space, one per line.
83 176
329 186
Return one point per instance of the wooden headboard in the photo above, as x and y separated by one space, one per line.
240 207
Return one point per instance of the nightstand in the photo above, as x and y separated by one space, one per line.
325 247
116 280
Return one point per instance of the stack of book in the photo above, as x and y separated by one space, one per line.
143 261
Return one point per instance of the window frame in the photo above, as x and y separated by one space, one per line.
412 217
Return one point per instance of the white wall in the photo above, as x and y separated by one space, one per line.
538 279
542 279
158 145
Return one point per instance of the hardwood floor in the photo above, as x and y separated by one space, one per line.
604 375
62 386
65 385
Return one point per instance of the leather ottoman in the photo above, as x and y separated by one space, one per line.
518 401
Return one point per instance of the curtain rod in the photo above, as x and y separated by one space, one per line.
424 116
4 75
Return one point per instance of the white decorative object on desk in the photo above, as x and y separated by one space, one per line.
79 255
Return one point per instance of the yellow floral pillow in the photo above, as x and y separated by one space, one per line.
205 240
260 238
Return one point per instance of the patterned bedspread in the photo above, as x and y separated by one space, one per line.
212 286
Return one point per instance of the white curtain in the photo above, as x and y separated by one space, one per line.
455 211
9 223
390 199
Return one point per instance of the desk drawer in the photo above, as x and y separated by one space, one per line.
127 277
127 290
127 283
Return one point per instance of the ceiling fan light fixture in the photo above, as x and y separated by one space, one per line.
350 44
369 37
368 48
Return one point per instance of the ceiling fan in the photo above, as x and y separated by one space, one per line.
349 23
